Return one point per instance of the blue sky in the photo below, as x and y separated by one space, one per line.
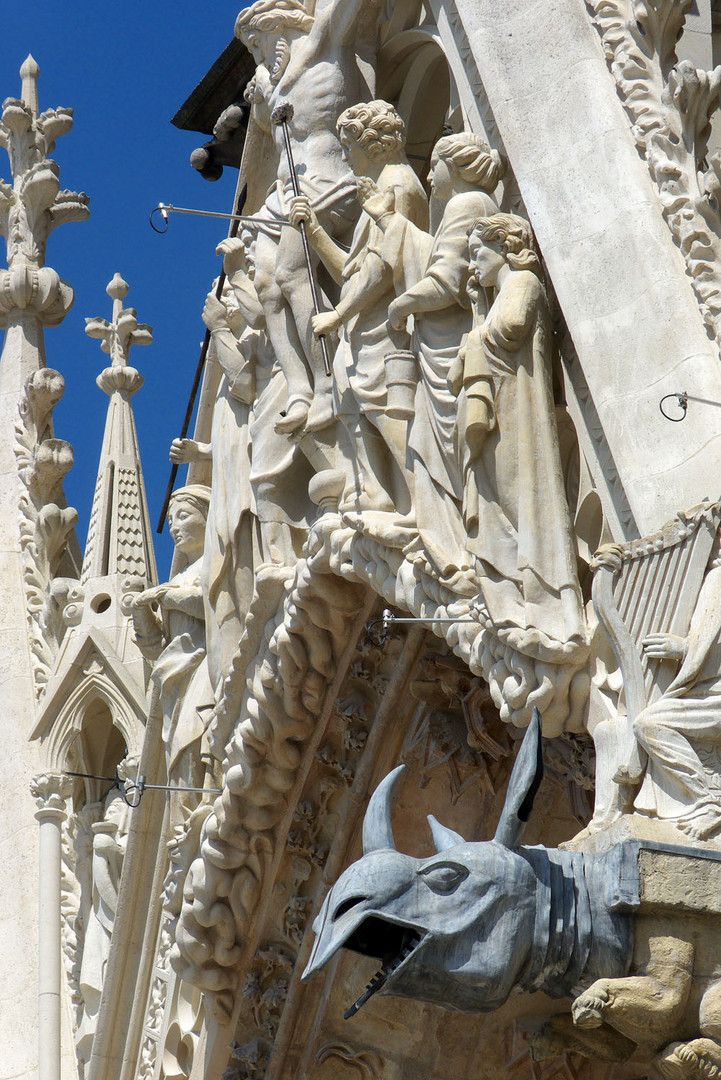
125 70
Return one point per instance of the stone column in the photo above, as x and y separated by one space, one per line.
50 791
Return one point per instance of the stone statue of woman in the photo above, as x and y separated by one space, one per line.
514 503
431 274
170 629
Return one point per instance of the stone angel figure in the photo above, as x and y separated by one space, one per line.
170 630
515 511
431 274
373 138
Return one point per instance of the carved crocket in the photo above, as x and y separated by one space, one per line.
466 926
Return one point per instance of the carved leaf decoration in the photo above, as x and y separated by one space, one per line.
669 105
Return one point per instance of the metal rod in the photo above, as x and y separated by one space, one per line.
280 116
165 208
199 371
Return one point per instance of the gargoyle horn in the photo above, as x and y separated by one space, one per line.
443 837
522 787
377 827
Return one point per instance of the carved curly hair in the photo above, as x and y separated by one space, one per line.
514 235
375 126
472 159
265 16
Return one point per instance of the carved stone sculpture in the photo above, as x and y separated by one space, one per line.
662 755
309 61
475 921
431 275
514 501
373 138
110 835
169 629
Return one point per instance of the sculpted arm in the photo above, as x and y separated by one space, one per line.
365 288
333 256
703 632
340 22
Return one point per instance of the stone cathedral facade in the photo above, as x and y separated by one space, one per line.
409 768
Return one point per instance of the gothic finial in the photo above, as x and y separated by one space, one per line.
30 73
117 337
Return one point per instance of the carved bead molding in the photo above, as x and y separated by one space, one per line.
33 205
50 791
670 105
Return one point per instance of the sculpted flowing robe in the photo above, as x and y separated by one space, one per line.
440 262
685 720
360 392
515 506
227 559
181 676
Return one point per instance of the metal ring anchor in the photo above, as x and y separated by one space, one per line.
165 215
682 401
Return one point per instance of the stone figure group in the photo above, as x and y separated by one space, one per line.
439 413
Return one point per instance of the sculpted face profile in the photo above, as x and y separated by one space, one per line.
515 510
267 28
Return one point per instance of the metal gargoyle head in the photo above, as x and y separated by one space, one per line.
454 929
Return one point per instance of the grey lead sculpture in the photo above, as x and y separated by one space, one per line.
466 926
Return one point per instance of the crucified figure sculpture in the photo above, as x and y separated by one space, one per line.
310 61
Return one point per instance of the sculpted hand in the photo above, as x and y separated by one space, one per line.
151 596
664 647
301 210
325 323
183 451
398 314
235 254
375 202
215 316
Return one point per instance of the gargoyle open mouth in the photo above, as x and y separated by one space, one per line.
388 942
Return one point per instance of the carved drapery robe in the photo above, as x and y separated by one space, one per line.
227 559
678 785
360 390
515 506
279 471
438 333
110 836
181 677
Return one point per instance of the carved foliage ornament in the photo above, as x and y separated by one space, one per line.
670 105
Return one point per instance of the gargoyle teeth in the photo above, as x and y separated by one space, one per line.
411 939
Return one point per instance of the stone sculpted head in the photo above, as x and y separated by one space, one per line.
508 235
376 128
470 158
455 929
187 516
264 28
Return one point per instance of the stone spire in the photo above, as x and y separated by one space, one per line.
32 296
119 535
98 654
36 535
